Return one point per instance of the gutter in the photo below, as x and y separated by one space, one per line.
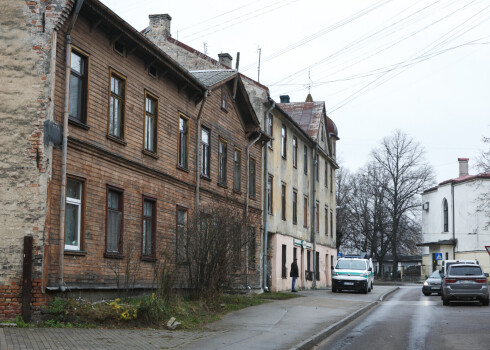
61 283
454 221
316 171
266 212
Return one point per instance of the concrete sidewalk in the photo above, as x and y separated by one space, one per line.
297 323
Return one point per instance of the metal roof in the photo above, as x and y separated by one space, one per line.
307 115
211 77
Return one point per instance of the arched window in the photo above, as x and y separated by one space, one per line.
445 213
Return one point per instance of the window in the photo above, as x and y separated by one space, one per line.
283 201
119 47
149 229
270 128
252 248
305 159
183 141
205 154
295 251
295 207
116 106
251 178
237 178
305 211
445 215
331 180
323 133
284 139
151 112
224 100
182 238
269 194
283 262
152 71
317 217
222 162
331 224
114 221
317 166
78 86
308 261
326 221
73 218
295 152
326 173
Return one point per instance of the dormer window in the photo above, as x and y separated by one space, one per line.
119 47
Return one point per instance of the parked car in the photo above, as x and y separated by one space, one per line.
447 263
432 284
465 282
353 274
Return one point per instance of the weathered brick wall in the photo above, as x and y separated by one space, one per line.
26 29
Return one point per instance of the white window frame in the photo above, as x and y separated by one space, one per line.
77 202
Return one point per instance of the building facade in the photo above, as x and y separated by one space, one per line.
454 226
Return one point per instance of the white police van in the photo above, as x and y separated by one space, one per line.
353 274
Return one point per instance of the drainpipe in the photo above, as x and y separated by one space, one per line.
61 282
454 229
266 214
313 238
246 199
198 155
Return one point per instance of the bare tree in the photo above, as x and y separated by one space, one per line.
483 166
343 199
402 159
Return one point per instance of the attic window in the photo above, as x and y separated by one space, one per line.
224 100
323 133
119 47
152 71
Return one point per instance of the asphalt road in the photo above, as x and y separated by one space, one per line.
409 320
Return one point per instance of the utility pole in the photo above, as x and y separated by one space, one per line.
259 50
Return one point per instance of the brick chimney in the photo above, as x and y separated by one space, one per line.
463 166
284 98
160 25
225 59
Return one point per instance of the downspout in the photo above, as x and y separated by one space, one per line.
247 199
266 210
454 229
313 238
61 282
198 155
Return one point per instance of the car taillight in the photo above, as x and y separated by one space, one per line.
481 280
450 280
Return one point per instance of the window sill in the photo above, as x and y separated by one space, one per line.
205 177
180 167
78 123
75 252
116 139
222 185
148 258
237 191
150 153
113 255
253 197
224 109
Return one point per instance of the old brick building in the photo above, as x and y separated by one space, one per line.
146 142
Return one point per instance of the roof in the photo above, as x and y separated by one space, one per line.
441 242
460 179
307 115
210 78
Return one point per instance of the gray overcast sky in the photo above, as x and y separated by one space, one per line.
422 66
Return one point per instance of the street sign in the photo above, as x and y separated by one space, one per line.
339 255
487 247
438 256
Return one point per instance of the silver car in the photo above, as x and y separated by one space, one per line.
432 284
465 282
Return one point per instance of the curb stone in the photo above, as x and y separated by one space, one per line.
317 338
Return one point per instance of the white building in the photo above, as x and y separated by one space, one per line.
453 226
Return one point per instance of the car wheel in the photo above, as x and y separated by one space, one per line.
426 294
372 286
445 301
366 289
485 302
